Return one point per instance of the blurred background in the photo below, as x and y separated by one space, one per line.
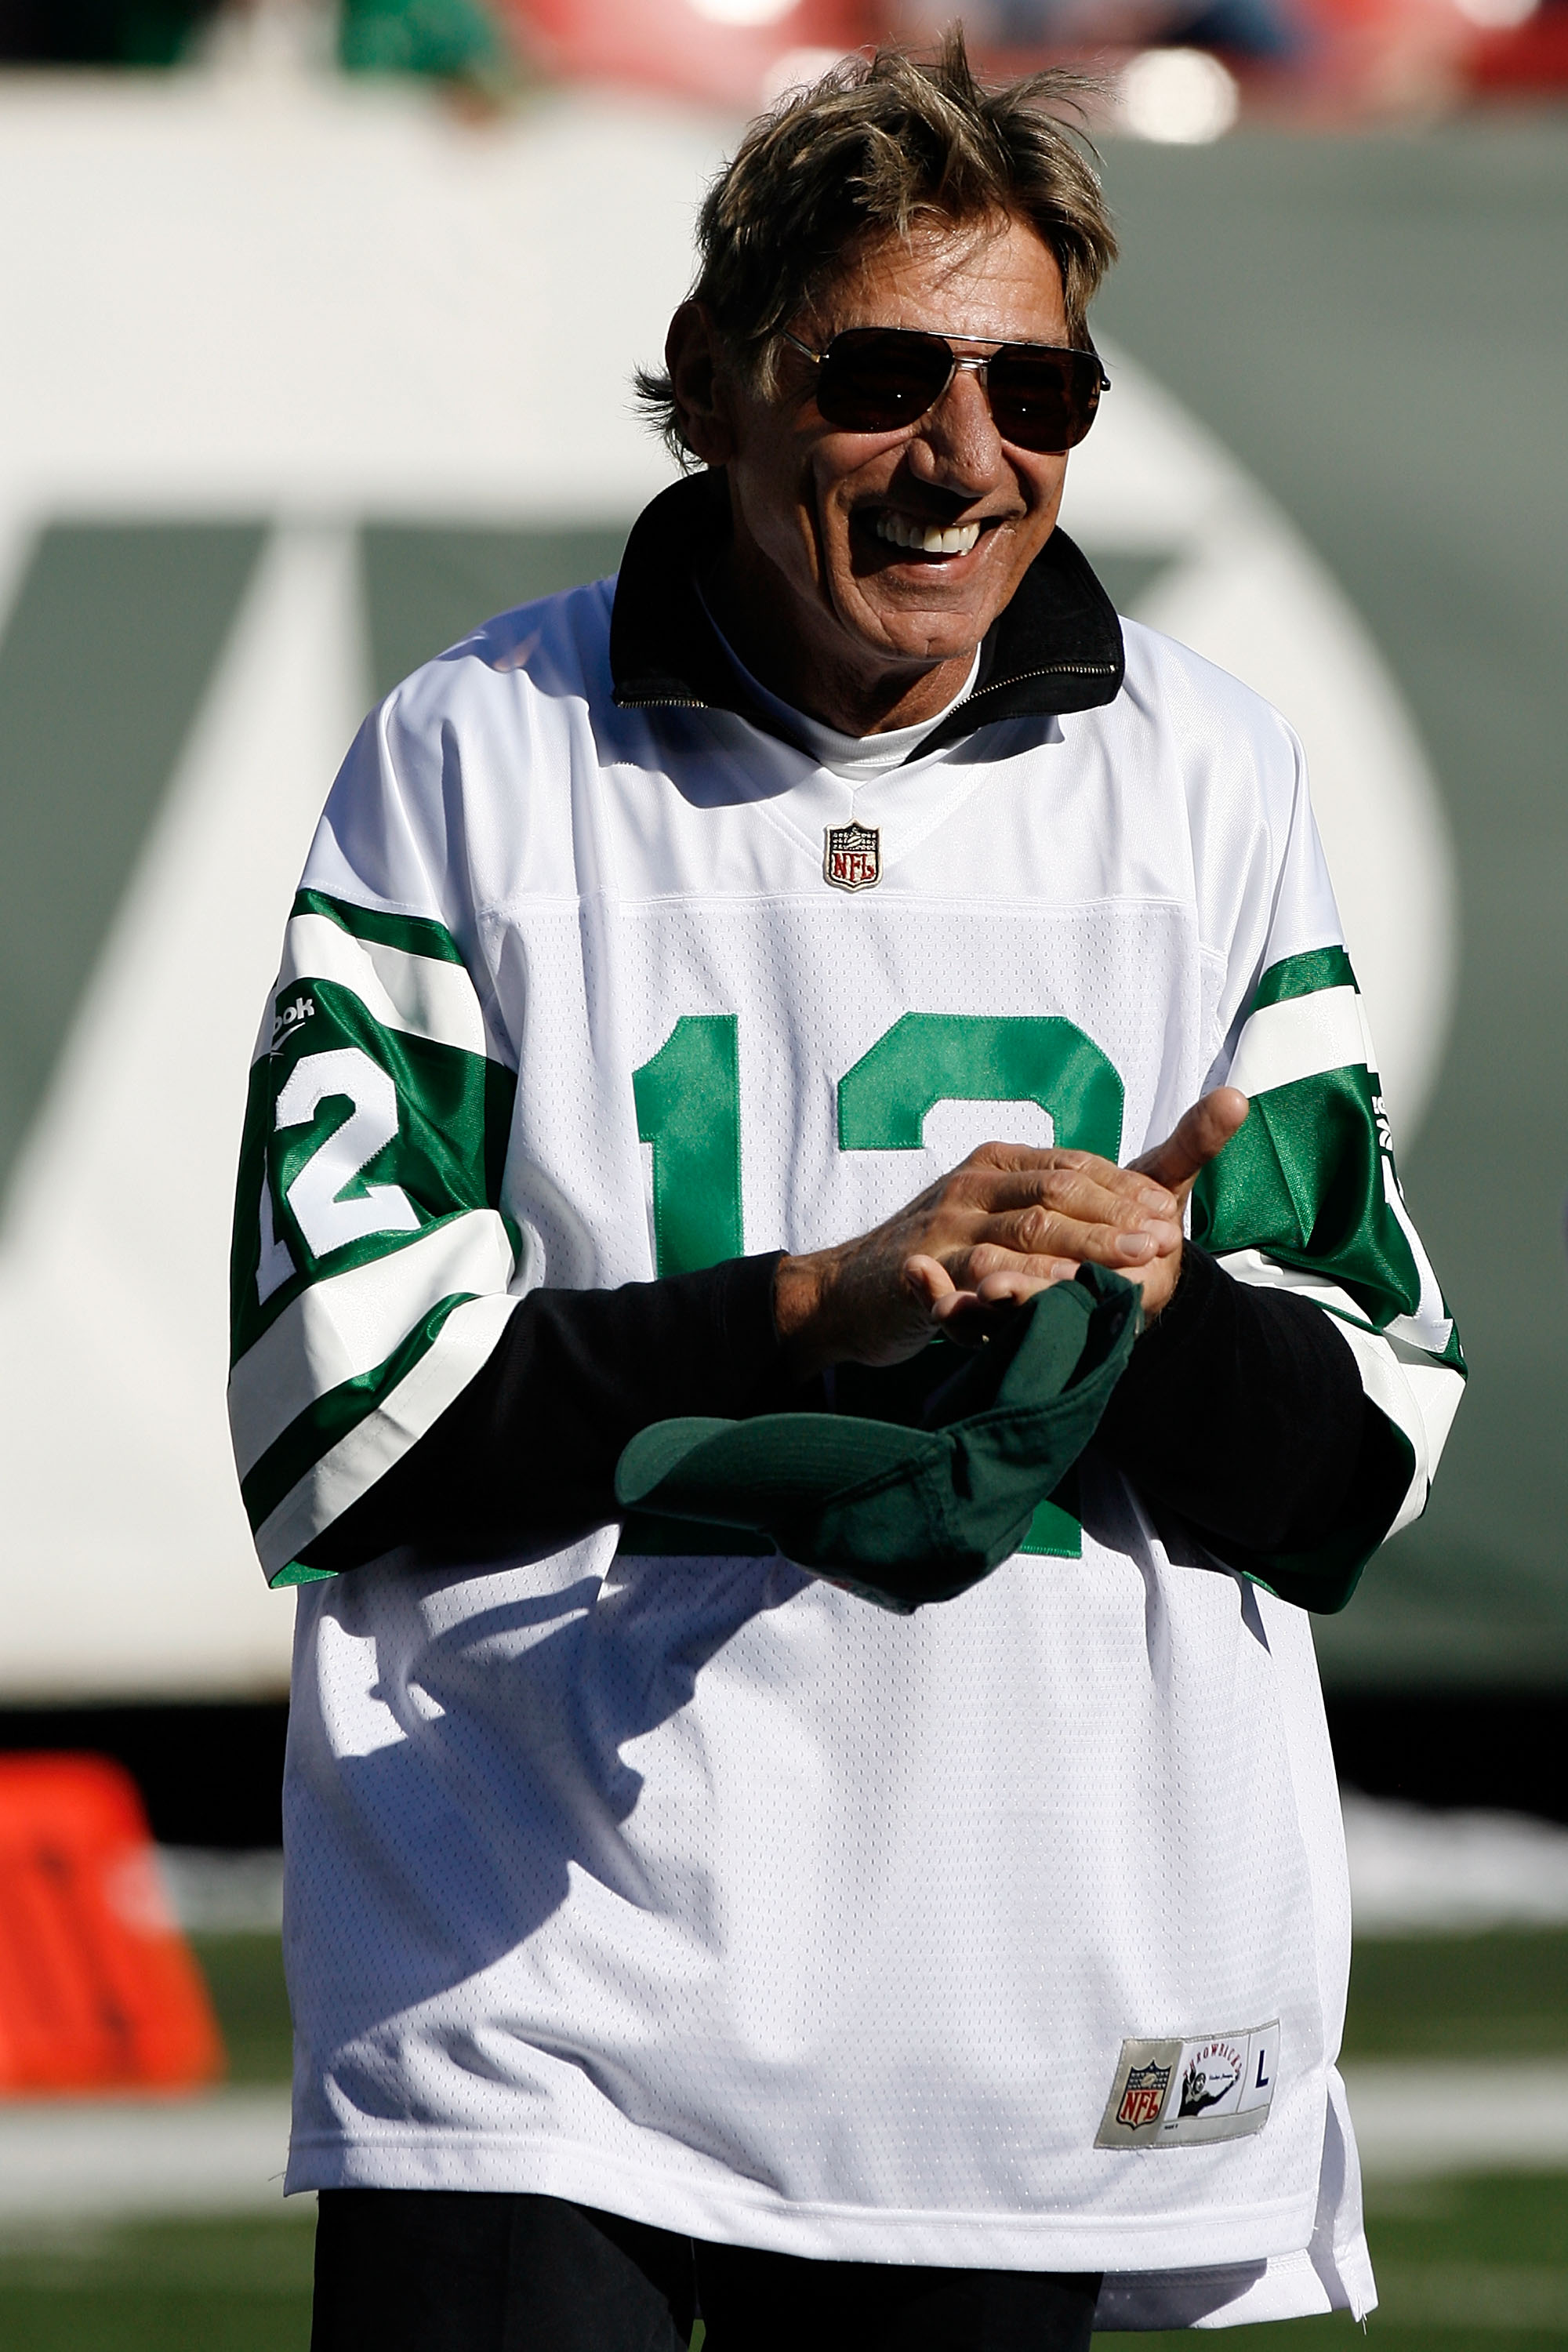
319 321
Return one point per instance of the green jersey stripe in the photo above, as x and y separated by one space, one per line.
1431 1319
465 1336
1310 1179
1303 1180
344 1326
1303 975
409 992
330 1415
413 934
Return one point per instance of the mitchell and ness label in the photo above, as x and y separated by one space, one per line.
1172 2093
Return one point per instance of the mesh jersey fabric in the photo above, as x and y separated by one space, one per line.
689 1886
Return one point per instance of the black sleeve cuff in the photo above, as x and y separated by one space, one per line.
526 1455
1242 1410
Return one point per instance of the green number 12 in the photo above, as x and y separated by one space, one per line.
689 1109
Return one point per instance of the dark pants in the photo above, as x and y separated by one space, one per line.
427 2270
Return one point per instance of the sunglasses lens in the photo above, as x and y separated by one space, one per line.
872 381
1044 401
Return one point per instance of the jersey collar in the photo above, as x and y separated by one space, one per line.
1055 647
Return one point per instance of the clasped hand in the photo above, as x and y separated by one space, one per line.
1008 1223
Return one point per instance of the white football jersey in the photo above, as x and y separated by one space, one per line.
1013 1934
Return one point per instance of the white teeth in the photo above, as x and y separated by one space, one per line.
904 532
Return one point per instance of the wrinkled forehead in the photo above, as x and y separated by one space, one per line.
990 278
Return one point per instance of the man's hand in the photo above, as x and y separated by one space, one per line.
1008 1223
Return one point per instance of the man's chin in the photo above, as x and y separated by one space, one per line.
924 634
925 612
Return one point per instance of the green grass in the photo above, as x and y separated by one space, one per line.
1499 1996
1463 2266
164 2286
245 1977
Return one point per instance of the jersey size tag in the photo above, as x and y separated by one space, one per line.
1173 2093
852 857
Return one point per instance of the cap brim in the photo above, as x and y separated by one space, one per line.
752 1474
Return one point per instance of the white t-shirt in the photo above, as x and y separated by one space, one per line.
853 757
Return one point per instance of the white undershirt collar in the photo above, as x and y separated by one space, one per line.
857 757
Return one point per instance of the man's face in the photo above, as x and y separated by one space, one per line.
814 505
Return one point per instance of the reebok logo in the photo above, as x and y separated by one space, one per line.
288 1019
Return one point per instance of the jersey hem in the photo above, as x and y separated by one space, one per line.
724 2213
1238 2295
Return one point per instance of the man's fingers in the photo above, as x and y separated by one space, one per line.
1103 1231
1010 1289
968 1315
1094 1193
1010 1222
1069 1245
1010 1175
929 1281
1199 1136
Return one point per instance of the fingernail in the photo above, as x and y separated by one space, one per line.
1135 1244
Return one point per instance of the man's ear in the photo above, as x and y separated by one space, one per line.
702 403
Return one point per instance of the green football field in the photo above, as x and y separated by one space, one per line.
1466 2266
1472 2265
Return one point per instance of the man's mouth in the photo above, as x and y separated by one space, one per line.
926 538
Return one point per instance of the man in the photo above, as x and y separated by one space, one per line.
669 1929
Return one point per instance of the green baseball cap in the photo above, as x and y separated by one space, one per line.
905 1513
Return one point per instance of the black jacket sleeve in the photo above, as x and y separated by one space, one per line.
526 1455
1241 1410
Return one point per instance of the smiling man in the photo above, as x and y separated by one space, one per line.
895 552
787 981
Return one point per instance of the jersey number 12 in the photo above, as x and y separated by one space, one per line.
689 1110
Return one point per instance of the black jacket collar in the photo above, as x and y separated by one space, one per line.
1057 647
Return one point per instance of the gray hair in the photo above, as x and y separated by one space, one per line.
886 144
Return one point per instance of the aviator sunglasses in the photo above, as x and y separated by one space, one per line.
876 379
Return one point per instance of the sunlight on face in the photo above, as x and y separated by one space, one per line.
853 616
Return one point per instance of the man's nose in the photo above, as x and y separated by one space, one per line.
957 446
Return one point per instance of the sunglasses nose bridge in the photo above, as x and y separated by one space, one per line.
963 443
980 369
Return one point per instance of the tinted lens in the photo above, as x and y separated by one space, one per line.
873 380
1043 401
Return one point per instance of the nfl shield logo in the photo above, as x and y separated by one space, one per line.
852 857
1143 2096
